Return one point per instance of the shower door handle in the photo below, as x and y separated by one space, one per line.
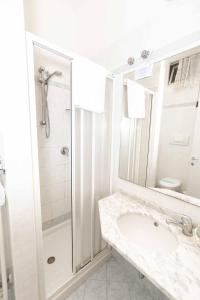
64 151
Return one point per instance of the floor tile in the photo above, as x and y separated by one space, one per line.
114 282
138 292
95 290
118 291
100 274
115 272
78 294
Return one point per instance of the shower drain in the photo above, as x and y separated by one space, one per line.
51 260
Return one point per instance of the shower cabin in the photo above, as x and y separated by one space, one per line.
72 169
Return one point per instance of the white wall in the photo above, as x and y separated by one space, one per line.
15 128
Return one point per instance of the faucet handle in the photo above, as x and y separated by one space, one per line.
180 219
186 219
171 221
187 225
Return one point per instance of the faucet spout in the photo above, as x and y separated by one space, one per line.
185 223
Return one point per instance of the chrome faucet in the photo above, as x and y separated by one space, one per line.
185 223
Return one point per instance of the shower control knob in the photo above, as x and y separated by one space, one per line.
64 151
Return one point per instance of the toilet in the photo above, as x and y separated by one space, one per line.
170 184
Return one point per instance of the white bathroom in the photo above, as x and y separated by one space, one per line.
99 150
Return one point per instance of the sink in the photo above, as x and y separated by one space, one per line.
145 232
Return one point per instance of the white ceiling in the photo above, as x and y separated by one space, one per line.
106 21
103 22
91 27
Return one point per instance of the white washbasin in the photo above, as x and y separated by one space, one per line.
144 232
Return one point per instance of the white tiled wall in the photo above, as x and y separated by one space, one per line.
55 168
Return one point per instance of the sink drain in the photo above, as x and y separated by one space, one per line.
51 260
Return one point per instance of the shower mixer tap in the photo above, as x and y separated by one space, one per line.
64 151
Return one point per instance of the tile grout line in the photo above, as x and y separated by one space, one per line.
84 290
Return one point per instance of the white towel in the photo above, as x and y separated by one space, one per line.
136 100
88 85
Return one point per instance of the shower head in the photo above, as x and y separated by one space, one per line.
41 69
45 75
55 73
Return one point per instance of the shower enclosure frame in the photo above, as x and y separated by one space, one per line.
32 41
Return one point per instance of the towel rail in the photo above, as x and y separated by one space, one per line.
146 89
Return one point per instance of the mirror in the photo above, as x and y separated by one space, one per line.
160 126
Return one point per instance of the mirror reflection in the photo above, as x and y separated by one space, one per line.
160 126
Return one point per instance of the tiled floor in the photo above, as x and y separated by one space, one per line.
114 282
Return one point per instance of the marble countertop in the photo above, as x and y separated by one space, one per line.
177 275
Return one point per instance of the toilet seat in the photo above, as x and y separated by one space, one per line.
170 183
